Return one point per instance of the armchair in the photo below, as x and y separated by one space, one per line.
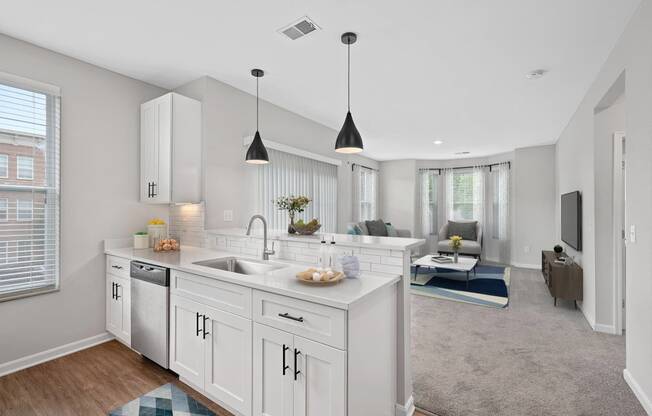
469 247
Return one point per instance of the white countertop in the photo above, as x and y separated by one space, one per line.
387 243
281 281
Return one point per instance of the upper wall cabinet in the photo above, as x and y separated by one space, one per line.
170 150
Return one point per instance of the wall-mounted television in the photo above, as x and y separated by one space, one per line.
571 219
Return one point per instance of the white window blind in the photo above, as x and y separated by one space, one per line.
29 190
292 175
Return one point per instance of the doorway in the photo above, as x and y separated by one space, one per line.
620 233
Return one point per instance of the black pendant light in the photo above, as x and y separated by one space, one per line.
349 140
257 154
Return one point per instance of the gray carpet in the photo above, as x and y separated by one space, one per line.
528 359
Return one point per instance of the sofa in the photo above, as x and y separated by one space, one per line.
470 247
378 228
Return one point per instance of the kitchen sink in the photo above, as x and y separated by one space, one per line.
240 265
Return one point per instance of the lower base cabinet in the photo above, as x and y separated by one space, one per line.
211 349
294 376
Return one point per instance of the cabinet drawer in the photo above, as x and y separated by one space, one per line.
316 322
221 295
117 266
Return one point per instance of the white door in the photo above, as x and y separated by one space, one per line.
320 386
113 307
273 372
123 294
186 339
228 359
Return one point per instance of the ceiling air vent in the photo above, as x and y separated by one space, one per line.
299 28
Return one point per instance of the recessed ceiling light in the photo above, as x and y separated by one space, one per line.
536 74
438 142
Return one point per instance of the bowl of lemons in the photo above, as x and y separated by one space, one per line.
307 228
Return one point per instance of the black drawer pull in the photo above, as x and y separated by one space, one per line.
296 372
285 367
288 316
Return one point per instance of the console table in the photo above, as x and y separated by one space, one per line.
564 281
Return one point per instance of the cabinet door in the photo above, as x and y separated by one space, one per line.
320 388
113 308
155 149
186 340
272 382
228 359
123 292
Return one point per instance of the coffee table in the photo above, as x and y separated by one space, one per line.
464 264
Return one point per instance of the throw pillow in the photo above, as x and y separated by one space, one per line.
391 231
363 228
466 230
377 228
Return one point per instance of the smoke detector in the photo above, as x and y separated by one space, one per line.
299 28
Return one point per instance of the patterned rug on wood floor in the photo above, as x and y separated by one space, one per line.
488 287
167 400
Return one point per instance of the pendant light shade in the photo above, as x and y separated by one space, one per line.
257 153
349 139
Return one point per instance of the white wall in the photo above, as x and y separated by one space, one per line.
99 195
575 171
606 123
534 210
229 115
398 193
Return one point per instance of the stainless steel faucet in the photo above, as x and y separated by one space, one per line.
266 252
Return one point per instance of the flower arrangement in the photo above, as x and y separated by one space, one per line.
292 204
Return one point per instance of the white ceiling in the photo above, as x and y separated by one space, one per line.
422 69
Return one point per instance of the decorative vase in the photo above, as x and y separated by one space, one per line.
455 257
291 229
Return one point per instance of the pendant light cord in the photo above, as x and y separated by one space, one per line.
348 76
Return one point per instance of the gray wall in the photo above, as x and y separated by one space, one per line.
534 211
229 115
575 160
99 195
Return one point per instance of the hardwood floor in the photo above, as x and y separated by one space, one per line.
90 382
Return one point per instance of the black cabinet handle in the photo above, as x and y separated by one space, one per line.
198 331
288 316
296 372
285 367
117 285
204 327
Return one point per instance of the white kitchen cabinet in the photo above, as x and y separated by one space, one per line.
296 376
211 350
170 150
118 307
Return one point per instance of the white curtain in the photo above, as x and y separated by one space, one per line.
428 195
365 193
292 175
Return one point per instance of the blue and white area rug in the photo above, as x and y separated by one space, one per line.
167 400
488 287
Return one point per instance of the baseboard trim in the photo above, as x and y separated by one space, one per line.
56 352
607 329
406 409
527 266
638 391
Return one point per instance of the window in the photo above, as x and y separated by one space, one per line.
29 239
367 192
25 167
4 209
291 175
4 166
24 210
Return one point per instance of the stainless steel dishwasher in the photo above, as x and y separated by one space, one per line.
150 310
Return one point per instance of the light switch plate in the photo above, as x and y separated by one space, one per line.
228 215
